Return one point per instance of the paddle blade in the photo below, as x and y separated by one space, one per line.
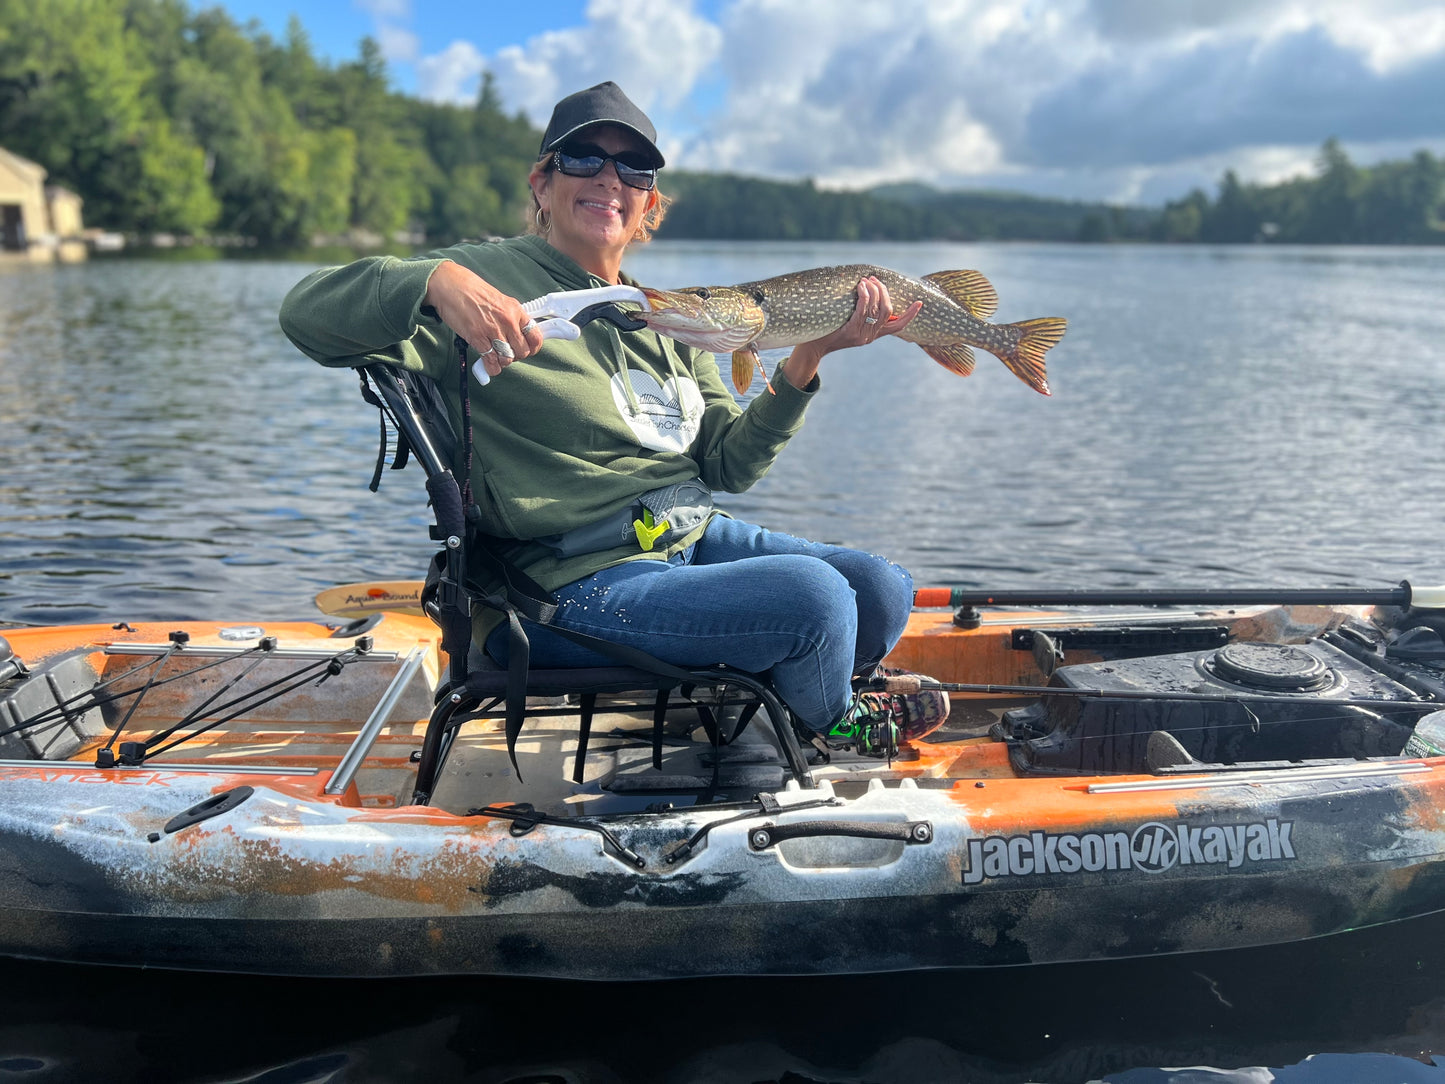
361 599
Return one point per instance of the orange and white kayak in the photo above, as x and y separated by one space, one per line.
240 798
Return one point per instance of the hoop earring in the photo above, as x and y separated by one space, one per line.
543 220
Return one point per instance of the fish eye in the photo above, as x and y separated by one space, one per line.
703 292
758 295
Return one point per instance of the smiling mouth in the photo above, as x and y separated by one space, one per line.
593 205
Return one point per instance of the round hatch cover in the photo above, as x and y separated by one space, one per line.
1271 666
241 632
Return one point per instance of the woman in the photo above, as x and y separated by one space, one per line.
574 436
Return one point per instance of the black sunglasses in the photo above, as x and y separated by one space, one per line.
632 168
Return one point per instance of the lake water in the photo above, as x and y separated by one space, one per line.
1221 417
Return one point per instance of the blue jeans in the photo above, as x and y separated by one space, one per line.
758 600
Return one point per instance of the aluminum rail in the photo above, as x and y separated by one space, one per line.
1260 778
225 767
221 651
371 729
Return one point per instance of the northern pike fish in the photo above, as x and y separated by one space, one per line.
806 305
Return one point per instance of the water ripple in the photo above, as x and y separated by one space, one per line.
1220 417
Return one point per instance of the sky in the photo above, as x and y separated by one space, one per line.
1130 101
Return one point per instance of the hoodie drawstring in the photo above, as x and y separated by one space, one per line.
619 356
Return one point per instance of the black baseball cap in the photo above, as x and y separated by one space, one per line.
603 104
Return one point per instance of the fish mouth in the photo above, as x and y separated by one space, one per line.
665 300
670 309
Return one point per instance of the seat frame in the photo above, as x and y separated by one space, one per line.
407 399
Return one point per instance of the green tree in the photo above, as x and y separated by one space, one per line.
388 185
74 96
1095 227
1234 215
1399 202
1183 219
1332 205
165 183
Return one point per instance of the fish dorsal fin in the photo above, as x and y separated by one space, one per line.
956 358
969 289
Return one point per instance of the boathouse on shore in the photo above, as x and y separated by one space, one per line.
37 221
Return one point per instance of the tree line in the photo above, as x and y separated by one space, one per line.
753 209
1393 203
166 119
1398 203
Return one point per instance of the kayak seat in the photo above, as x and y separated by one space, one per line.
49 712
10 666
474 686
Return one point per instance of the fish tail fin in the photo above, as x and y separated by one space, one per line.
955 357
1026 359
969 289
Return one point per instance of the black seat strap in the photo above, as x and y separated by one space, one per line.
531 599
519 662
584 732
403 446
659 717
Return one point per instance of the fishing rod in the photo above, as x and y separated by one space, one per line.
1402 596
913 683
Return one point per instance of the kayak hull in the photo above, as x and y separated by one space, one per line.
837 938
307 893
258 857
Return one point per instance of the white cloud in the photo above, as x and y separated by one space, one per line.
397 45
1122 99
1388 39
915 89
451 75
656 57
1113 96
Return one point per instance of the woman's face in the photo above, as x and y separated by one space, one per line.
594 218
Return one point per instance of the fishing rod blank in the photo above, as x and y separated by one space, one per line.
1403 596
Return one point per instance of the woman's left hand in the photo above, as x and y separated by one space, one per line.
872 317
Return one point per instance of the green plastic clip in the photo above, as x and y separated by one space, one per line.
648 530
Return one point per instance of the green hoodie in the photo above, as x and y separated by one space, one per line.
568 435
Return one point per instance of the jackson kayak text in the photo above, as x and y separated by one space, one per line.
1152 848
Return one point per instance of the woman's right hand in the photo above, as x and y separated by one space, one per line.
483 315
872 318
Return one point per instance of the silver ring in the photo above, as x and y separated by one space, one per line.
503 349
484 353
870 319
530 325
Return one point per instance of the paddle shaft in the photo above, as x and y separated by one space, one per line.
941 597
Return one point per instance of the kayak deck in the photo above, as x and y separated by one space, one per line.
318 718
327 725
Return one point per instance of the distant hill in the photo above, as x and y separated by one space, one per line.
751 208
988 213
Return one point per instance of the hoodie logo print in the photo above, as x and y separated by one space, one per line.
668 416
